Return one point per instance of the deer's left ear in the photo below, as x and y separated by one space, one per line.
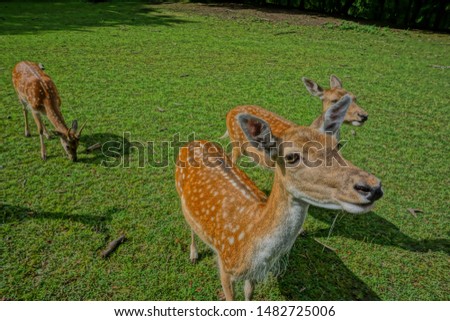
313 88
335 115
335 82
259 134
74 126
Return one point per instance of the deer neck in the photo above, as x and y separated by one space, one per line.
57 119
284 216
285 210
318 124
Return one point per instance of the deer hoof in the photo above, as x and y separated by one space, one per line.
44 157
27 134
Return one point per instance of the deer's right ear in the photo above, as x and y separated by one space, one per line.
335 115
258 133
313 88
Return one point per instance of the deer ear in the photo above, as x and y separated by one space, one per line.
335 115
81 129
74 126
259 134
313 88
335 82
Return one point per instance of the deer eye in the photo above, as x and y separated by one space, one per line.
292 159
334 101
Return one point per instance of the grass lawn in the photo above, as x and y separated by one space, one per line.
157 70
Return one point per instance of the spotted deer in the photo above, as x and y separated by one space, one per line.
355 115
250 232
38 94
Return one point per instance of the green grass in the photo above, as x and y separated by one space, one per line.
116 64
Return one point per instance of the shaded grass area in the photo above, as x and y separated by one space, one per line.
153 72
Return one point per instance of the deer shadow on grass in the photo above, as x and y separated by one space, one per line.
12 214
31 18
318 274
372 228
113 148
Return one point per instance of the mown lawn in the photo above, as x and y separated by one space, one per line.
154 71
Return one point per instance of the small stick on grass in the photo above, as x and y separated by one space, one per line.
414 211
93 147
325 246
112 246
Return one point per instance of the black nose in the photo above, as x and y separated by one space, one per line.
370 193
363 117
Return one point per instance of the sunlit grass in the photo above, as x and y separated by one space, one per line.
154 72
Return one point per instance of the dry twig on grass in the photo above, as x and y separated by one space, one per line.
112 246
93 147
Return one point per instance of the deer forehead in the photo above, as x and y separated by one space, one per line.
336 94
305 137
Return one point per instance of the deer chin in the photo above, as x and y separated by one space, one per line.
352 208
356 208
357 123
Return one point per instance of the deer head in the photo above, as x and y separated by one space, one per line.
70 140
310 166
355 114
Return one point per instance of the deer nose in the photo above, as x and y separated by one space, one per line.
363 117
370 193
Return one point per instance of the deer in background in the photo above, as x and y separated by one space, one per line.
248 231
355 115
38 94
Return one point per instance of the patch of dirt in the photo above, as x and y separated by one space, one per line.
243 11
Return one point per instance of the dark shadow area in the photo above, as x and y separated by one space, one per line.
99 223
33 17
318 274
394 22
113 148
372 228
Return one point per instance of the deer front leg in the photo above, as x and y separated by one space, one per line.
46 134
227 283
194 253
25 116
38 120
249 287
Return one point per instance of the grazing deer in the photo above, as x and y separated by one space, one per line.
251 232
38 93
355 115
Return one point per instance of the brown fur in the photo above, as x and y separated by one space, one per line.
230 214
38 94
279 124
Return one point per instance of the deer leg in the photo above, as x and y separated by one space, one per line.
46 134
248 289
194 253
227 283
38 120
25 116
